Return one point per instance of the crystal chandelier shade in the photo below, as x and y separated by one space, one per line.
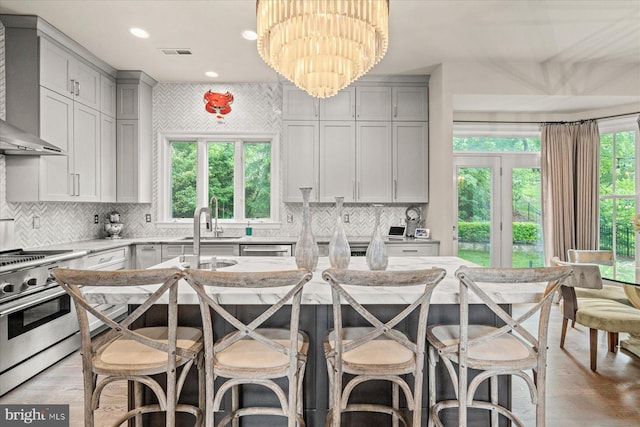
322 46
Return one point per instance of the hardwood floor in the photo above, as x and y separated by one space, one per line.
575 395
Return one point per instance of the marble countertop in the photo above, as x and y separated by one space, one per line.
318 292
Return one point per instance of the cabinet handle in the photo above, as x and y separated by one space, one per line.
73 184
409 250
78 179
73 85
353 186
148 248
395 111
77 88
395 188
315 109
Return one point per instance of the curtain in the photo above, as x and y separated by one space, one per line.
570 167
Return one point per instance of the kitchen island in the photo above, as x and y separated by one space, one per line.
316 319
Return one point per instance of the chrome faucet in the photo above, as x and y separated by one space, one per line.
196 230
216 231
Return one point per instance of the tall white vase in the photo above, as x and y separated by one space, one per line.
339 250
306 246
377 258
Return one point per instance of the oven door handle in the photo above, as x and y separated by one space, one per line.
32 301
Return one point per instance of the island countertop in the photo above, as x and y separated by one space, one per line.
318 292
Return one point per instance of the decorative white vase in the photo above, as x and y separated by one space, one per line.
306 247
339 250
377 258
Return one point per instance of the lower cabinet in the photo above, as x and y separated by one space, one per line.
148 256
174 250
419 249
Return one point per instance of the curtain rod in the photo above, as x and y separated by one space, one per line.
544 122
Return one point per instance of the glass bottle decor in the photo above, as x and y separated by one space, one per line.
377 258
339 250
306 247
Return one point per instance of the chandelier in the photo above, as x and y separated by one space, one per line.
322 46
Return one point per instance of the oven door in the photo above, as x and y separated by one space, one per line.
31 324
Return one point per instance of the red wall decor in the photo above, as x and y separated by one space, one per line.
218 103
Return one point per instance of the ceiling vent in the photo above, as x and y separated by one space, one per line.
179 52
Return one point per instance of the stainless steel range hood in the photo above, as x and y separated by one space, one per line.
15 141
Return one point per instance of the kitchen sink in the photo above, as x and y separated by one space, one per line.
210 238
222 263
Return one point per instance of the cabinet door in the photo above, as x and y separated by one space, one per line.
410 103
298 104
342 106
148 256
55 68
373 167
107 96
127 161
127 102
337 160
56 127
86 84
373 103
410 162
107 158
301 146
86 152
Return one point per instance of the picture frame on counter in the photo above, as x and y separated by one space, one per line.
422 233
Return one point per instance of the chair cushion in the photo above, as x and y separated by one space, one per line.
608 315
615 293
126 351
379 352
252 354
506 347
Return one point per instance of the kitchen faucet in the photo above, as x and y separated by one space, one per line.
216 232
196 230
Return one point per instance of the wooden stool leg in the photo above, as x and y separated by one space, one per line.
593 347
613 341
563 334
396 403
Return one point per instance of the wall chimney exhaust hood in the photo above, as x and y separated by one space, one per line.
15 141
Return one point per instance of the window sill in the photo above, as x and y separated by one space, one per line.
188 225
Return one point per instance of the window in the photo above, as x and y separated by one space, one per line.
618 186
238 172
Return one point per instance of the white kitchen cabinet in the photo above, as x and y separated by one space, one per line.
373 103
410 103
417 249
337 161
148 256
373 165
173 250
301 150
109 260
341 106
410 162
107 158
298 104
134 137
67 75
108 100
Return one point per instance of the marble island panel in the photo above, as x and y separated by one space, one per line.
317 292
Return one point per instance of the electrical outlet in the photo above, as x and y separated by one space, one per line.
36 222
147 217
290 218
345 218
96 219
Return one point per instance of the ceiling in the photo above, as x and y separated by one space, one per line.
423 34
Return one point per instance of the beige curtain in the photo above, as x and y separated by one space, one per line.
570 167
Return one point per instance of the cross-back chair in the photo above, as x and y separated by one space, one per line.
251 353
611 292
502 350
135 355
379 351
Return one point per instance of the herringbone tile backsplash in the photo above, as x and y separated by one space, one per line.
179 107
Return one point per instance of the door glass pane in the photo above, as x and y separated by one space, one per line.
527 218
493 143
257 180
625 235
625 163
606 224
606 164
474 215
183 179
221 164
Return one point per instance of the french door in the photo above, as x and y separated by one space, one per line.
498 209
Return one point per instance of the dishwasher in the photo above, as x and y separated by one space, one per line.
265 250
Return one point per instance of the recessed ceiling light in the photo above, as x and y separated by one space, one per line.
249 35
211 74
139 32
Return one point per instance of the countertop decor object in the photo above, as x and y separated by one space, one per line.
322 46
339 250
377 258
306 247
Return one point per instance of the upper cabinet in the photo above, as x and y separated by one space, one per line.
368 143
54 89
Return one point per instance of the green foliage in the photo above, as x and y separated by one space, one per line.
480 231
481 143
527 232
183 179
257 179
221 164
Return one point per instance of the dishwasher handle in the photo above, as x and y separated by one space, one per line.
265 250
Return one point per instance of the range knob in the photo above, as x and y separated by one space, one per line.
30 281
6 288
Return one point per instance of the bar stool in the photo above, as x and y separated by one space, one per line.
252 354
505 350
135 354
379 351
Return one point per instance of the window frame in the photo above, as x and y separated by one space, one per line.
202 198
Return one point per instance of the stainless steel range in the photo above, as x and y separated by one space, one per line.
38 324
